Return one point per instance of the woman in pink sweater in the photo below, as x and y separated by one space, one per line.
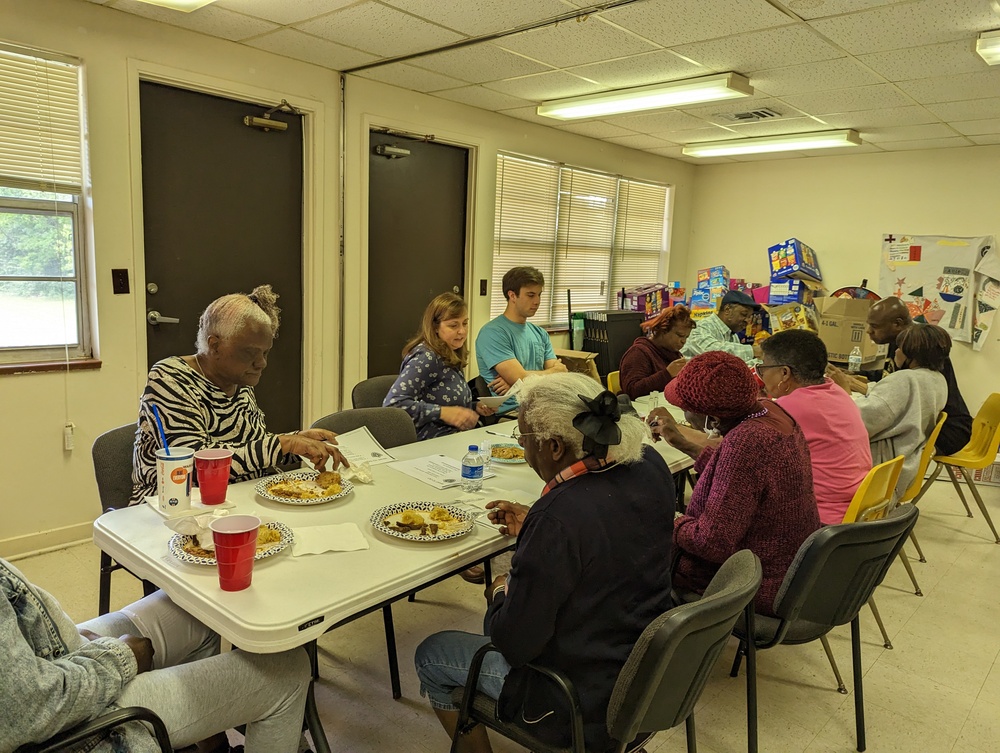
655 358
755 488
793 374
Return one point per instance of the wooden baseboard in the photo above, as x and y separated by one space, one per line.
30 544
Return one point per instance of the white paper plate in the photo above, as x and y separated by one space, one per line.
346 487
508 461
179 540
379 517
493 402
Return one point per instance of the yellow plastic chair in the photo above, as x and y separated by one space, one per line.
978 453
919 485
873 501
614 382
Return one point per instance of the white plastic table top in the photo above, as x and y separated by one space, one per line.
294 600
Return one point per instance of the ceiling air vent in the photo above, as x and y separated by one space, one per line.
750 116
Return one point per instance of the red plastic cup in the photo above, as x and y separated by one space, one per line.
235 538
212 471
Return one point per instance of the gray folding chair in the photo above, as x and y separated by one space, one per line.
71 739
371 392
392 427
832 577
112 454
662 679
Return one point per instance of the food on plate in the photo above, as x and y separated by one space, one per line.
325 484
503 452
413 523
266 538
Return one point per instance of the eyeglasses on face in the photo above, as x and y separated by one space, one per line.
759 368
519 435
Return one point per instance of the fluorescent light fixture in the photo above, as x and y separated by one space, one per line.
651 97
988 47
185 6
793 142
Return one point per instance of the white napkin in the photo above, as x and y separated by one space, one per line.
343 537
358 473
197 525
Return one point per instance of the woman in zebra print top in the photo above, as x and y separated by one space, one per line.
207 399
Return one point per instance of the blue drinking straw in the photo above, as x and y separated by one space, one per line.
159 428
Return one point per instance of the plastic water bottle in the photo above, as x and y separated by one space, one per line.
472 470
854 360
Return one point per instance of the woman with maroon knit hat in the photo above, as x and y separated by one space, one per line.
755 488
655 358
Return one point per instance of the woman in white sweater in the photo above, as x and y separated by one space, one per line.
901 409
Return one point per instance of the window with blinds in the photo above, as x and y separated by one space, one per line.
43 307
588 232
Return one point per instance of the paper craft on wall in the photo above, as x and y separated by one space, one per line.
941 278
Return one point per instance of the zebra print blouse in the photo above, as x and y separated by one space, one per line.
196 413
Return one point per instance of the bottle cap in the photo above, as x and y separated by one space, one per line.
473 448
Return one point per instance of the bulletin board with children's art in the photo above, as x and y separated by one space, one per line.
951 282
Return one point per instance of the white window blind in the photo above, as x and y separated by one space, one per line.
40 142
588 232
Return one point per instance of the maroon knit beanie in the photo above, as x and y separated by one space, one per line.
714 384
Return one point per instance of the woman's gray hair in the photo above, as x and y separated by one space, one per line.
229 314
550 402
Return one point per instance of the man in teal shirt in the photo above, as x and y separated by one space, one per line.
510 347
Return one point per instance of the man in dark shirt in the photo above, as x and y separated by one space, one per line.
886 319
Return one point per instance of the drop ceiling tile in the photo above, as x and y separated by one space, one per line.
286 11
697 135
529 114
542 86
944 59
664 120
778 127
576 43
639 70
842 73
847 100
717 112
955 88
992 138
973 109
596 129
376 28
407 77
683 21
908 24
217 22
978 127
810 9
300 46
761 50
887 116
907 133
481 63
900 146
639 141
476 17
486 99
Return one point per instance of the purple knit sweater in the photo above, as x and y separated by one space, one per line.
643 368
754 491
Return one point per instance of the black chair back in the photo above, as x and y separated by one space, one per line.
371 392
112 454
671 662
838 568
392 427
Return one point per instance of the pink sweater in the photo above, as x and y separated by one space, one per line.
838 444
754 492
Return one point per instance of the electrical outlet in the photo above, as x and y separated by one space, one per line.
68 436
482 287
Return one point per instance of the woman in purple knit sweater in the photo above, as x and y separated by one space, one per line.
755 487
655 358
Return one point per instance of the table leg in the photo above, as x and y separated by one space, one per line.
487 571
316 731
390 647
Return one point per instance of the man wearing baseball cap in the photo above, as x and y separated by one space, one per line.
718 332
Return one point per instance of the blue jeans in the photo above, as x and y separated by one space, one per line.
443 662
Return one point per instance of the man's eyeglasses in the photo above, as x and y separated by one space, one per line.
759 368
519 435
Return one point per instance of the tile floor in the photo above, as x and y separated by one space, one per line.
937 690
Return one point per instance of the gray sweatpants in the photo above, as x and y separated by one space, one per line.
198 692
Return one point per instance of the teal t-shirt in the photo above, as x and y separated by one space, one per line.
501 340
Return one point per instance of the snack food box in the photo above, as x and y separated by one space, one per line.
760 295
650 299
990 475
842 327
792 316
784 290
704 275
580 361
795 260
697 314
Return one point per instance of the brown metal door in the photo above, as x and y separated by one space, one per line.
222 213
416 239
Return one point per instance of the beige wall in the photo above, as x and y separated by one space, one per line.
841 206
114 46
369 103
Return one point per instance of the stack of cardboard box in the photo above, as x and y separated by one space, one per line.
713 284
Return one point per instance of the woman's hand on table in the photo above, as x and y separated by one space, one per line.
499 386
662 424
674 367
312 444
461 418
485 410
508 515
